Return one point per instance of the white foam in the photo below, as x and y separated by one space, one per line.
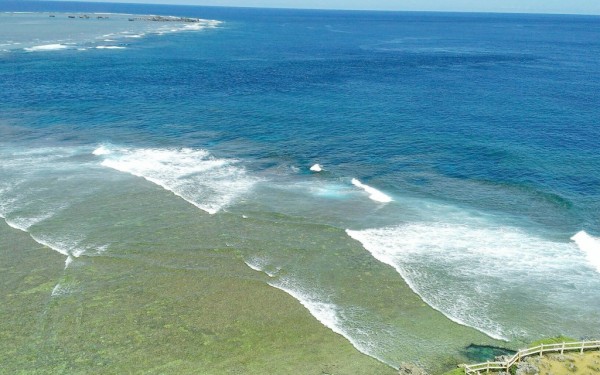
24 223
61 290
326 313
211 23
121 29
7 202
71 248
15 225
466 270
68 261
39 184
590 246
194 175
252 265
59 248
261 265
101 249
47 47
316 168
42 213
194 26
333 317
102 150
22 208
374 194
110 47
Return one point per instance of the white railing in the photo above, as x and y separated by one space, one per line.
541 349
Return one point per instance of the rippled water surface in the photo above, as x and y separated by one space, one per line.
156 186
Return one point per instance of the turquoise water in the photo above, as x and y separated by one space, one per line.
458 200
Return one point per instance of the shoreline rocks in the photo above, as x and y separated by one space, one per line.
410 369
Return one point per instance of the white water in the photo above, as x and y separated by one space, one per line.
327 313
316 168
46 47
467 270
261 265
40 184
63 33
194 175
463 265
61 289
590 246
110 47
72 248
24 223
374 194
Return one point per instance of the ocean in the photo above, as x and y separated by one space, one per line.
269 190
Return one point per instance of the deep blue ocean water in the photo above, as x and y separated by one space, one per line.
459 149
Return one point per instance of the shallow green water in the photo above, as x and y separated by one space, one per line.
458 160
175 296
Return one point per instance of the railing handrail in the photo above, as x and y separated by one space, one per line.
540 349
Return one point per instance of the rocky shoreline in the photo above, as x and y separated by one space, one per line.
168 19
145 18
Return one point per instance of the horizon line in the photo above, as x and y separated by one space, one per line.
332 9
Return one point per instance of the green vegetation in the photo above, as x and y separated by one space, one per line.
552 340
456 371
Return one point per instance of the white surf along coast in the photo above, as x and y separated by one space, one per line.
194 175
48 47
463 264
35 191
467 266
374 194
91 31
326 312
110 47
590 246
316 168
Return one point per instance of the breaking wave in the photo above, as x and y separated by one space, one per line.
76 37
466 270
47 47
374 194
590 246
196 176
335 317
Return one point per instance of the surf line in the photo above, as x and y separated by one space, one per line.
590 246
358 236
326 313
69 254
374 194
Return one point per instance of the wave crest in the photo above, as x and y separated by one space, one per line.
467 271
374 194
590 246
196 176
